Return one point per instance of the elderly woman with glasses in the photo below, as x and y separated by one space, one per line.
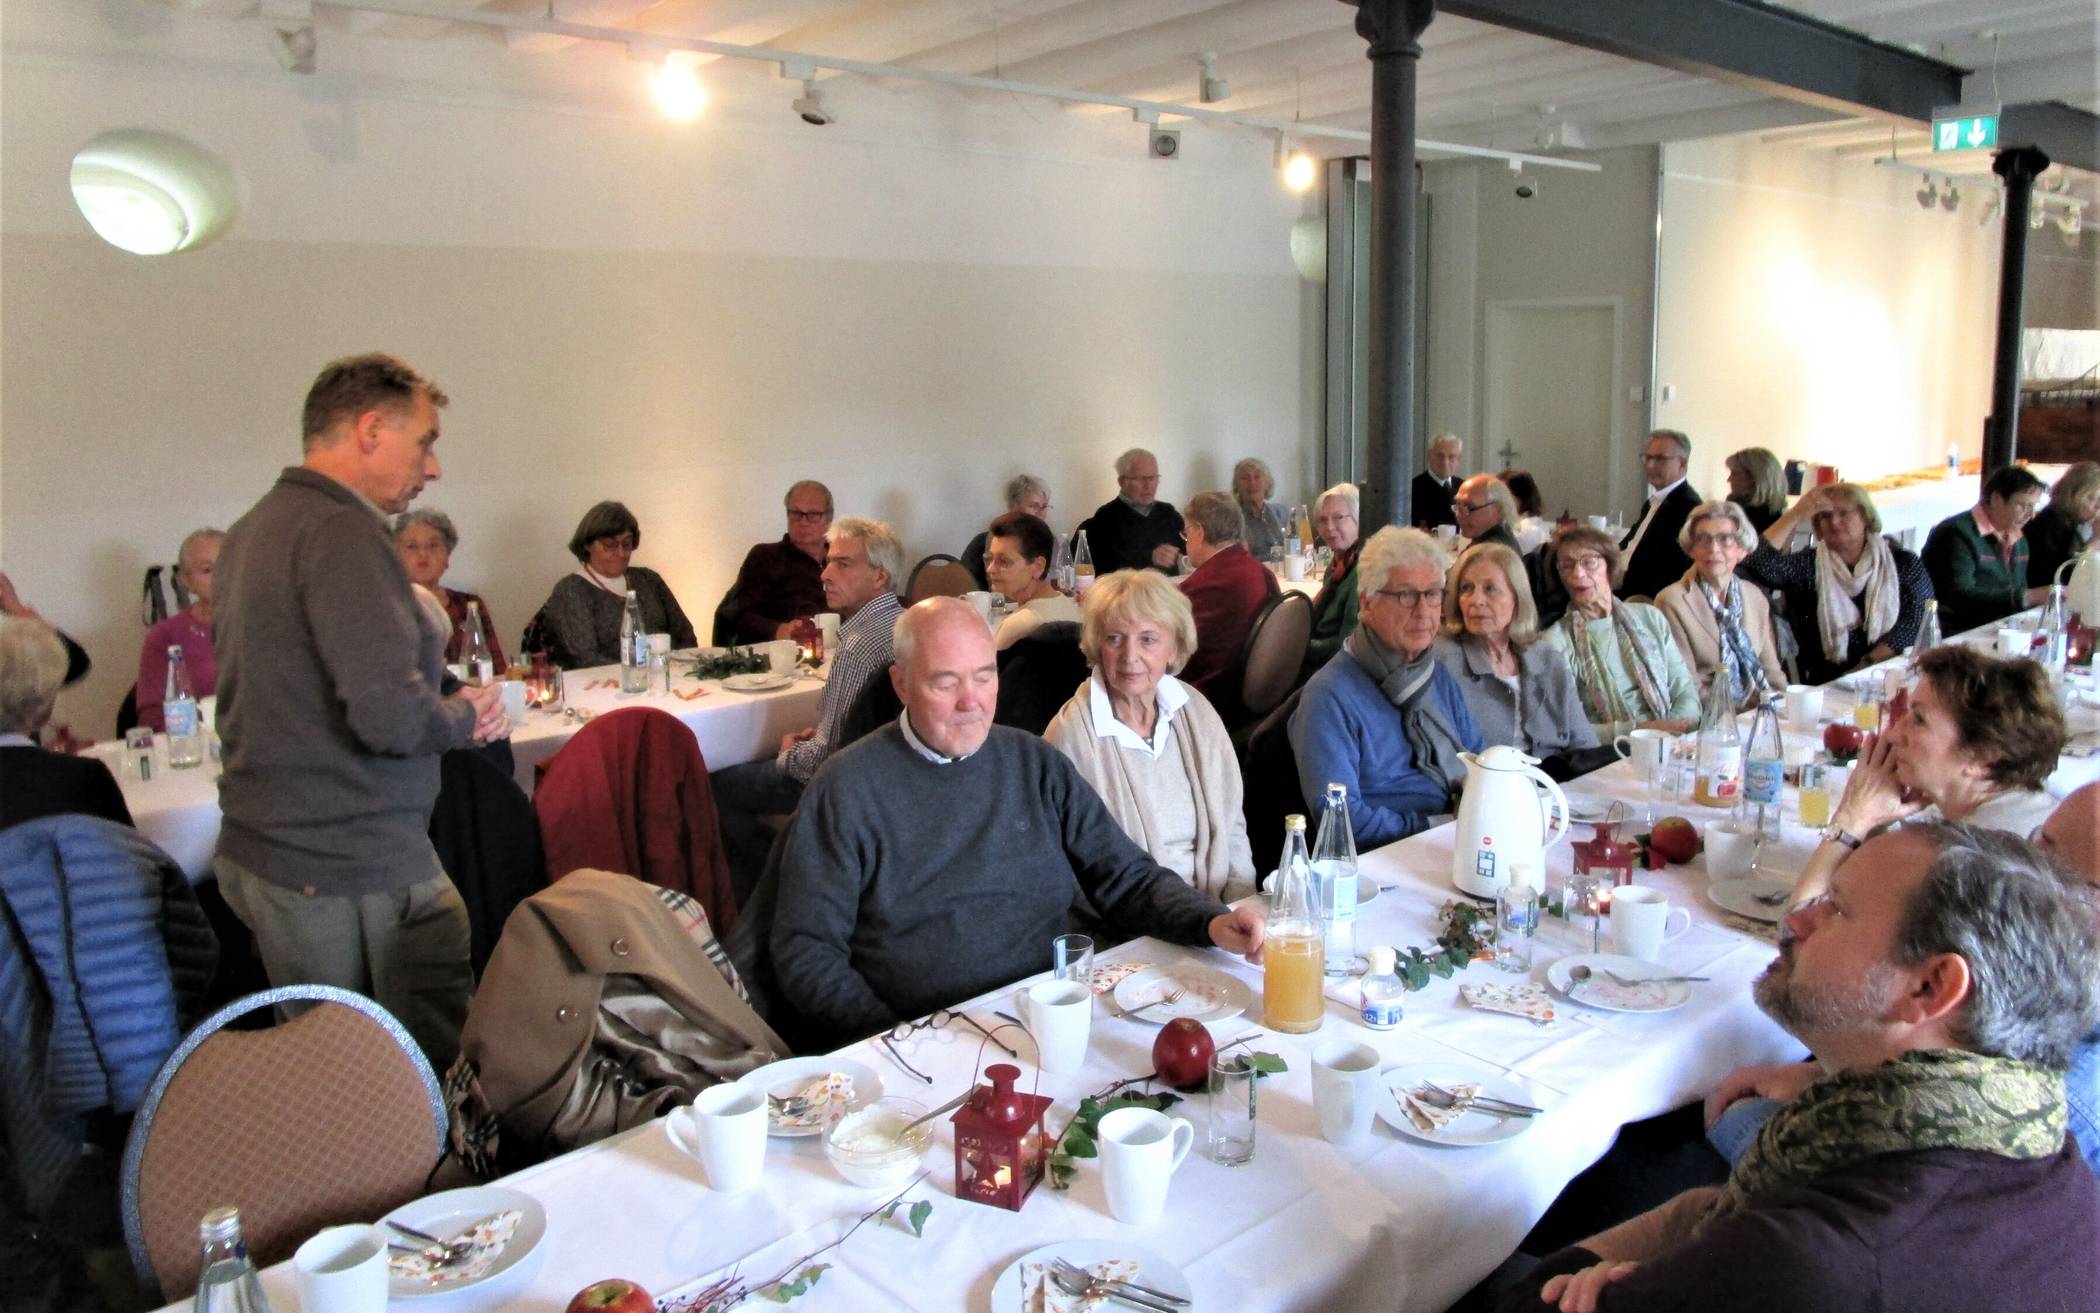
425 539
1017 561
1334 610
1384 718
1626 664
1252 486
1854 598
1150 745
1026 494
1723 627
1518 689
580 621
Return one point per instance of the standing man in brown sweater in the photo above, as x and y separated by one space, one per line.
332 718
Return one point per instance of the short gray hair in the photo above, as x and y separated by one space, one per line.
799 484
904 635
196 536
1440 439
1498 493
1684 444
1347 494
2029 933
431 518
32 667
1268 480
1128 595
1720 508
1130 458
885 551
1023 486
1394 548
1219 515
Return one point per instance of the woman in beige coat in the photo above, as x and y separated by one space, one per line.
1722 624
1149 744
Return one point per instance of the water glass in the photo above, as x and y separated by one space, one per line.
1516 924
1589 898
1233 1092
138 752
1072 958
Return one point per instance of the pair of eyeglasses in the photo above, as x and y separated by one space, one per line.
1410 598
1712 539
1470 507
936 1027
809 515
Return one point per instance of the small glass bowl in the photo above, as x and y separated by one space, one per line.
885 1167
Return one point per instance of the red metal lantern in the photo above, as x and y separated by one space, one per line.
1001 1148
1603 854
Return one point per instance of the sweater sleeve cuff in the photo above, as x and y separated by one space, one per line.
1524 1296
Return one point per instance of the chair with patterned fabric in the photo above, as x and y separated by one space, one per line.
332 1117
1274 652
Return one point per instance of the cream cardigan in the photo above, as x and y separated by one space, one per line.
1698 634
1224 861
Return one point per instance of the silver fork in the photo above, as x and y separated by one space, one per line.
1173 995
1073 1269
452 1249
1082 1286
1630 981
1437 1096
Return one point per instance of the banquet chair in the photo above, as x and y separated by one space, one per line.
1272 792
1038 674
329 1118
488 841
877 705
1275 649
939 575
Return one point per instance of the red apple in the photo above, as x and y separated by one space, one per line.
1675 838
1181 1055
615 1296
1844 740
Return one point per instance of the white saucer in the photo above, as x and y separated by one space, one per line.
790 1075
450 1212
1207 995
1474 1128
1740 896
757 683
1610 996
1153 1270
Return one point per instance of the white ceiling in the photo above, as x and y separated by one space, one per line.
1480 85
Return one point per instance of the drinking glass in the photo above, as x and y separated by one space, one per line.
1867 714
1815 798
1233 1092
543 686
1516 922
1588 904
1072 958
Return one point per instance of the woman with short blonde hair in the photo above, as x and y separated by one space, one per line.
1150 745
1757 483
2064 527
1855 597
1335 607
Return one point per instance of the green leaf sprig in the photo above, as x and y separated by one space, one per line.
1468 930
729 661
1083 1133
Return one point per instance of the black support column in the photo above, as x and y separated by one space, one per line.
2019 167
1393 28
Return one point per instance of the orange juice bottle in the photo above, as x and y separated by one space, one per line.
1295 958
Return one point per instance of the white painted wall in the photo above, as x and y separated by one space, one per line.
940 291
1810 306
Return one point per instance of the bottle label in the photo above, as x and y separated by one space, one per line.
485 671
1762 779
180 717
1721 769
1339 884
1382 1014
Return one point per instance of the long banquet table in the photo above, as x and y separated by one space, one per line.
179 809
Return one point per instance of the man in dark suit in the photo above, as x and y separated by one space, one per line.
1435 486
1654 561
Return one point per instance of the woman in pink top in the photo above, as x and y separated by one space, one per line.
189 629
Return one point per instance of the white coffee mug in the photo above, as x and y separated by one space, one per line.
1447 533
828 622
1140 1149
1294 567
781 655
1597 522
1058 1013
1645 746
1640 922
342 1269
1804 706
1730 848
1345 1090
513 691
725 1128
2014 642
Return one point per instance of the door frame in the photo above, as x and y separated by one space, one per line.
1495 328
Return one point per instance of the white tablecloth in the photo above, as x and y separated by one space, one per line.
179 809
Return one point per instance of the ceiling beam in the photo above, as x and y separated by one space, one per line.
2067 136
1767 48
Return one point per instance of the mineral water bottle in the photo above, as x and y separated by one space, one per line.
1764 766
1334 872
1382 990
1292 997
1082 564
178 707
1928 631
634 648
480 664
1720 756
1061 566
2054 633
227 1282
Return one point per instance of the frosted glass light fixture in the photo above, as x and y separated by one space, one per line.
151 193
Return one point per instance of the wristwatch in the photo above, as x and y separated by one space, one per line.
1844 837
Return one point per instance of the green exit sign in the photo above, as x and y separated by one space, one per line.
1975 133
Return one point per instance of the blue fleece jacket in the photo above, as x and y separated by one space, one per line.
1345 732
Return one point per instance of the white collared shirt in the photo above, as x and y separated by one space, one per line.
918 744
17 741
1655 499
1171 696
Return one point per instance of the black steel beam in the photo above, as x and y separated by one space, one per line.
1773 50
2068 136
2019 168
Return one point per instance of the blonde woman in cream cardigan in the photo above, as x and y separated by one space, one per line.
1149 744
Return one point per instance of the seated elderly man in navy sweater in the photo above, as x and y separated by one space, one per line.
937 857
1943 983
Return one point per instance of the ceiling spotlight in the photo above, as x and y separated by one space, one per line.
1928 195
291 29
1210 88
810 105
1950 198
1300 171
679 95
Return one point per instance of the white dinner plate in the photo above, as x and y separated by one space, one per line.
1740 896
1600 992
1366 888
1207 995
1153 1270
764 682
790 1075
450 1212
1589 811
1473 1128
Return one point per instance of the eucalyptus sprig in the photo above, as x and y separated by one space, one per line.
729 661
1468 929
798 1277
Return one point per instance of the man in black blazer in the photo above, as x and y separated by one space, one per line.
1654 561
1435 486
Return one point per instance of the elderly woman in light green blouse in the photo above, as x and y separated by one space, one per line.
1626 662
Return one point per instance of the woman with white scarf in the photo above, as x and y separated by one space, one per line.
1723 627
1854 598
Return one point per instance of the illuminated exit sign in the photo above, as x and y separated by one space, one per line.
1974 133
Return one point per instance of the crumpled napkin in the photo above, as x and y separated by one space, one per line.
491 1236
1527 1001
1431 1120
1039 1294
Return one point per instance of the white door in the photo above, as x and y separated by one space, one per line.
1552 384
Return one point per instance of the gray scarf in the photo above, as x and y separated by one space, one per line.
1405 684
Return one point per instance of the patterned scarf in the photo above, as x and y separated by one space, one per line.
1406 685
1600 698
1926 1099
1738 655
1873 581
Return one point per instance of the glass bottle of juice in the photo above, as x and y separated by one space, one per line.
1720 755
1295 958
